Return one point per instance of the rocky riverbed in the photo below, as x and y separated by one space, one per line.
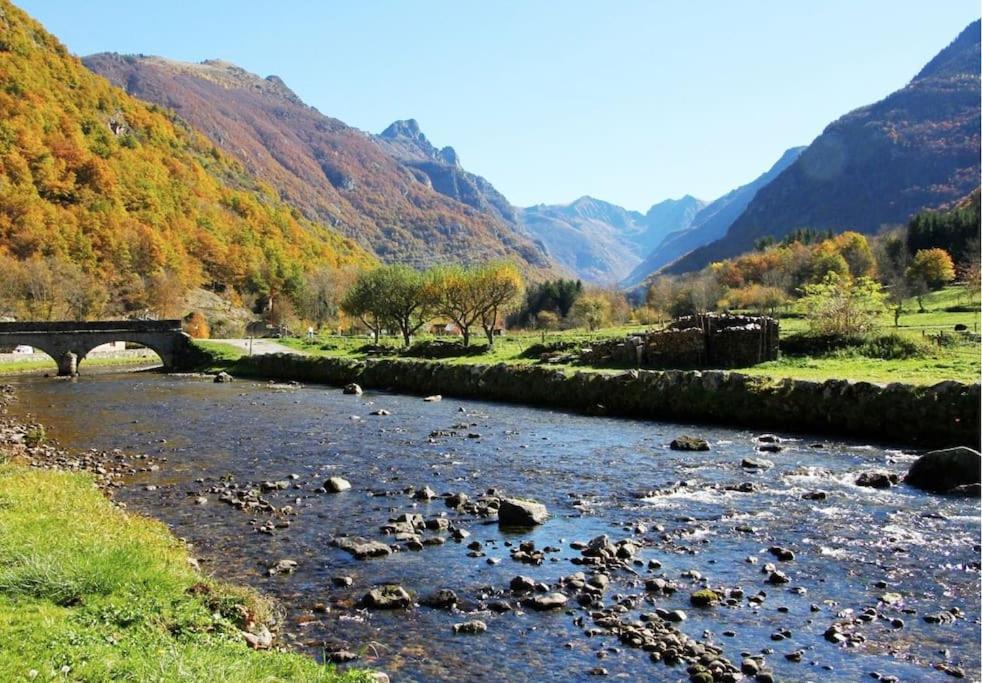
460 540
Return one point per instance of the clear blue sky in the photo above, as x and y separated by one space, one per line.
631 102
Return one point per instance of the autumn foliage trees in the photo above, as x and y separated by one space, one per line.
106 191
407 299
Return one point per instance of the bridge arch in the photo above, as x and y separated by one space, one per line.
165 355
68 343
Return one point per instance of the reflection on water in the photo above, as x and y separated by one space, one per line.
596 476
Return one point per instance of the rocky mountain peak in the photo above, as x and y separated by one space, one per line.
407 128
449 156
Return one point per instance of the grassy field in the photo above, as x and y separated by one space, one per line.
90 593
959 358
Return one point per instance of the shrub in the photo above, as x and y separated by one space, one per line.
437 348
840 306
196 325
892 347
802 344
35 436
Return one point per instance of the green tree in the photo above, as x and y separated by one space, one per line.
366 300
591 310
843 307
459 297
499 286
546 321
410 298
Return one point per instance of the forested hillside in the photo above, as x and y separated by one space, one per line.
97 183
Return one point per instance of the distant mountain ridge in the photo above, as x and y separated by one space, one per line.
393 194
602 242
711 223
918 148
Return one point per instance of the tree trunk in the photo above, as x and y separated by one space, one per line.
466 331
489 331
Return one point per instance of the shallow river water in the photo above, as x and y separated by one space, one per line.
596 475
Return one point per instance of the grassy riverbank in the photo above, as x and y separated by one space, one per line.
45 364
88 592
940 353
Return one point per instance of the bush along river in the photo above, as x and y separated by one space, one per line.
384 524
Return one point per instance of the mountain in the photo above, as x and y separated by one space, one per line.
93 177
440 169
602 242
711 223
371 189
917 148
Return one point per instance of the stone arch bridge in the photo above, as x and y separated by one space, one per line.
69 342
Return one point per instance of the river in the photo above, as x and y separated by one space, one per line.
904 553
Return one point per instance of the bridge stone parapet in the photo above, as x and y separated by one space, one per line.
69 342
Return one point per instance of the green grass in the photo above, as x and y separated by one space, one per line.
111 596
960 360
220 356
47 364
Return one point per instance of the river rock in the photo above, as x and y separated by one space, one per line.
758 464
549 601
336 485
425 493
391 596
262 640
442 599
340 656
456 500
516 512
877 480
704 598
521 584
361 548
941 471
470 627
434 398
282 567
782 554
352 389
689 443
223 378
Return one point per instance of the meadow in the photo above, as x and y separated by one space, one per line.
940 352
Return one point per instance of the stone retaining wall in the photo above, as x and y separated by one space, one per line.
946 414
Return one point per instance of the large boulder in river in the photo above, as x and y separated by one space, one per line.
941 471
352 389
521 513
